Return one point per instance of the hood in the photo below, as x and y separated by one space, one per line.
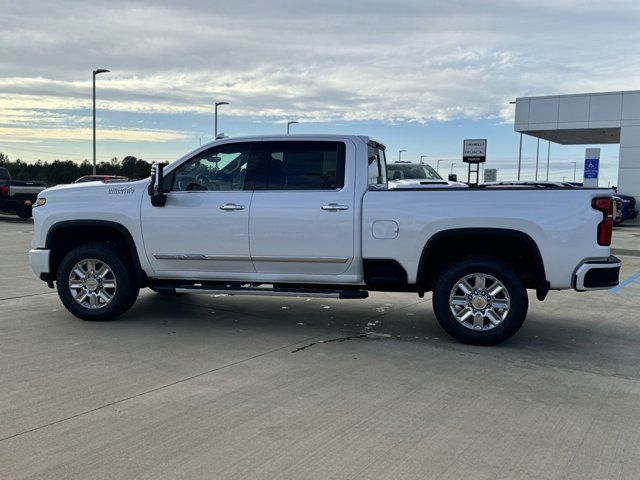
97 187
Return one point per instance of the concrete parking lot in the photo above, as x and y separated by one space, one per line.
266 388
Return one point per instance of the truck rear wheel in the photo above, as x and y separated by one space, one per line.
480 301
95 283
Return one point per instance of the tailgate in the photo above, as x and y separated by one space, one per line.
26 191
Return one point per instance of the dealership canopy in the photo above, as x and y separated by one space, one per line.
588 119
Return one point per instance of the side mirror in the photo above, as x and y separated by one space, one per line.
158 197
453 177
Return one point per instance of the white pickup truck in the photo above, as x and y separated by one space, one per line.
313 216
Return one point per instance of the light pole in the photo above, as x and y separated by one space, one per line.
215 122
421 157
289 125
400 155
452 165
438 165
95 72
575 167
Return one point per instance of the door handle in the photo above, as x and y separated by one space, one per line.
334 207
231 206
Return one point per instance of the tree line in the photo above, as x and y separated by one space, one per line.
66 171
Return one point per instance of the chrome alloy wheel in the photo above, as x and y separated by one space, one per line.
92 283
479 301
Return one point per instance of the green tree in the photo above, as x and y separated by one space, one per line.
67 171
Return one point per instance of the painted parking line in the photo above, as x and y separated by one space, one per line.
635 278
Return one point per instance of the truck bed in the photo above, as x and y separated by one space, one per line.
560 220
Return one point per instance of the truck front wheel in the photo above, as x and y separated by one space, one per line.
480 301
95 282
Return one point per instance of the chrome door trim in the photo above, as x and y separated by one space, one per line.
200 256
268 258
241 258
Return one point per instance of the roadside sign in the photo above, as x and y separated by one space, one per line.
591 167
474 150
490 175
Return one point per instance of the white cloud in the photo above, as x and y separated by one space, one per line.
323 61
30 134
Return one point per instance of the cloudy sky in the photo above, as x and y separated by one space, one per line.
418 74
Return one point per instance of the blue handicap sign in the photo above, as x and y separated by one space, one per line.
591 166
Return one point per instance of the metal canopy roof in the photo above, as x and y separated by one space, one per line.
578 136
589 118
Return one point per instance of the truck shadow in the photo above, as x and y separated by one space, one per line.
558 341
407 318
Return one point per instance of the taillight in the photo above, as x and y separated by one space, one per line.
605 227
4 190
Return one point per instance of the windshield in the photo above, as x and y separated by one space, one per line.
411 171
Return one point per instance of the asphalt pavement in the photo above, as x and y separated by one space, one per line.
218 387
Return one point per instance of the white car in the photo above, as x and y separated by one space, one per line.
417 175
422 184
313 216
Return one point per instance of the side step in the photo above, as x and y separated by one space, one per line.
269 292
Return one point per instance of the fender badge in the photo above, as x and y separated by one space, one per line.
121 190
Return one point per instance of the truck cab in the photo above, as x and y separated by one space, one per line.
293 200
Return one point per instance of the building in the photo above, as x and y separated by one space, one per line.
590 118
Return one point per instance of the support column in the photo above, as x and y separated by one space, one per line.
629 164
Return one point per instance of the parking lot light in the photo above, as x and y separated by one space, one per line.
289 125
215 121
95 72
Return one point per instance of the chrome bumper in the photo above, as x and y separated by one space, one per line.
597 274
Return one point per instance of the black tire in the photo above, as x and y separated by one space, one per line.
519 302
24 213
125 294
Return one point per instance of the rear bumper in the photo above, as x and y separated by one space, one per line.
13 204
597 274
39 261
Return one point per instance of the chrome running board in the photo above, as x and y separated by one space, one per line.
269 292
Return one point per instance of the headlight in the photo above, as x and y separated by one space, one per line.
39 202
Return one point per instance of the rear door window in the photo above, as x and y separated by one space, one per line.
301 165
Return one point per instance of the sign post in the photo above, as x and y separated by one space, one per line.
591 167
474 152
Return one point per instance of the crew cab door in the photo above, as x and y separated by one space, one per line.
302 213
203 229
